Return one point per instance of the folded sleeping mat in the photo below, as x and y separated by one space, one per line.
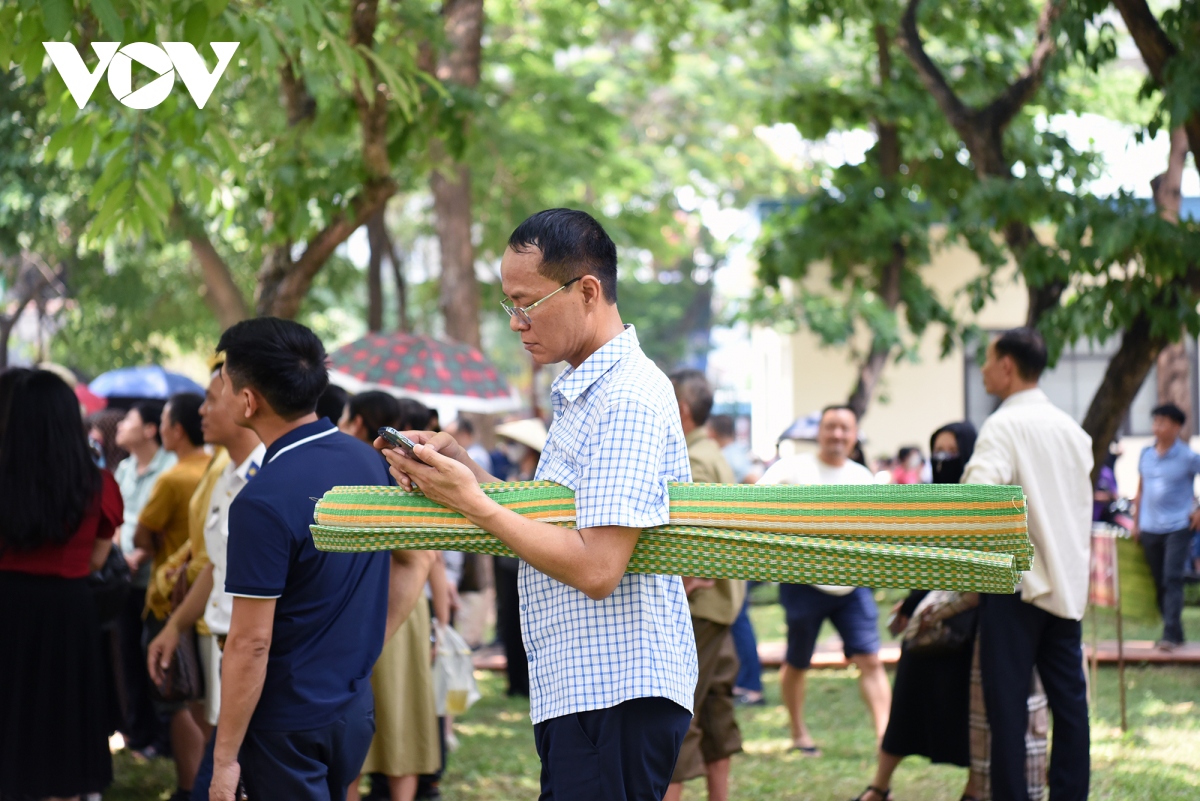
965 537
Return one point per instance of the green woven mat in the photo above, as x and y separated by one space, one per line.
966 537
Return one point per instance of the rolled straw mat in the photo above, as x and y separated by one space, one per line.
969 537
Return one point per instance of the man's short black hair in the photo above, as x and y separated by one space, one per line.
1026 348
151 413
838 407
572 244
1171 412
465 426
185 410
693 391
281 359
332 403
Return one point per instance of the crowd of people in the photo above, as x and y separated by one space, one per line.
267 669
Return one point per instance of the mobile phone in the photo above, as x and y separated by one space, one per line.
399 440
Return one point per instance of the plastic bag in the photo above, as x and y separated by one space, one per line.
454 685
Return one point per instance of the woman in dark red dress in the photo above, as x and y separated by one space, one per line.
60 512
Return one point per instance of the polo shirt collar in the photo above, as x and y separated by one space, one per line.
157 462
1171 451
574 381
321 426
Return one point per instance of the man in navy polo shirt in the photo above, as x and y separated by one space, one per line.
297 712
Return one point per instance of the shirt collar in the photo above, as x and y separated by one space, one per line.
248 469
321 426
1035 395
157 462
574 381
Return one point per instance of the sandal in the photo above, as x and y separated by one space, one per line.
884 795
807 750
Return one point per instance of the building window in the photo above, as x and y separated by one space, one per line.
1073 382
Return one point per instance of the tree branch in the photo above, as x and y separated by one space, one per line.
1157 51
301 106
960 116
222 294
1001 111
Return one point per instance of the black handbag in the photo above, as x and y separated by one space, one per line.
110 584
943 623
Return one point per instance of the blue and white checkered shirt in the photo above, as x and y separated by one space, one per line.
617 441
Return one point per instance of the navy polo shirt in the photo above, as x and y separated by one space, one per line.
331 607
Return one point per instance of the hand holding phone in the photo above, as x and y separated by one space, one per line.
400 441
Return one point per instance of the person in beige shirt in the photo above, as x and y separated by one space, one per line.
1030 442
713 736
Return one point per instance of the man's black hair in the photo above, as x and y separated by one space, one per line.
332 403
1026 348
280 359
838 407
413 415
151 413
692 389
377 409
722 425
48 479
572 245
185 410
1169 411
465 426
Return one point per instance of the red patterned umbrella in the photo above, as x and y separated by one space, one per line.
438 374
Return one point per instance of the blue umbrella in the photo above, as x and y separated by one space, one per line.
142 382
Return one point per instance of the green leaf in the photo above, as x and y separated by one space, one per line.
56 14
110 20
81 147
58 141
106 219
8 20
195 24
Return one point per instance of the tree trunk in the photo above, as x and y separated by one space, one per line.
871 369
1122 380
376 233
1174 367
402 323
283 282
459 290
451 180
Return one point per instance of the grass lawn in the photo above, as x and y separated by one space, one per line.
1158 759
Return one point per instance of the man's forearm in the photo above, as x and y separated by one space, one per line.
406 582
192 608
590 560
243 670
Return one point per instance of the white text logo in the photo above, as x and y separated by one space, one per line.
172 57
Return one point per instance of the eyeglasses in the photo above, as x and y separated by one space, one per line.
522 313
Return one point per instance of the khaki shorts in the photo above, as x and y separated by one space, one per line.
713 734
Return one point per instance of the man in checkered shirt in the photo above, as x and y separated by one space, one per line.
612 657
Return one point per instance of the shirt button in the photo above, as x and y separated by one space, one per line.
522 607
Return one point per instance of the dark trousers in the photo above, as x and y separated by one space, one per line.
624 753
140 726
750 669
1014 637
508 624
1167 555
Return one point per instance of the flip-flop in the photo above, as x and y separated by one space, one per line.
807 750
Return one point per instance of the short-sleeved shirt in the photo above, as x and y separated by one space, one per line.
331 608
73 558
135 489
166 512
1168 488
721 602
216 535
617 442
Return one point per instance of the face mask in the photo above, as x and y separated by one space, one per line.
947 469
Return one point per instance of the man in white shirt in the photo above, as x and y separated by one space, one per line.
206 597
1030 442
852 610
